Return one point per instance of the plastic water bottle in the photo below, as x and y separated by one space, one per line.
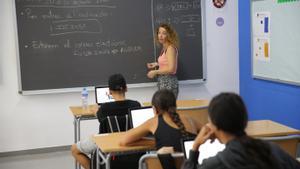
84 99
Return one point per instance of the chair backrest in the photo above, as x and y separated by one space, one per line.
115 123
118 123
199 114
287 143
151 161
115 119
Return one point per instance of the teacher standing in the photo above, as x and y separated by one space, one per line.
166 66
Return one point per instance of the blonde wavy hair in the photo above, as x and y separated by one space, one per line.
172 36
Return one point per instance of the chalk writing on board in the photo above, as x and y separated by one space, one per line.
43 45
64 2
178 6
75 26
56 14
180 19
184 14
191 31
85 48
105 51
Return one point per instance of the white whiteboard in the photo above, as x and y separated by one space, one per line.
276 40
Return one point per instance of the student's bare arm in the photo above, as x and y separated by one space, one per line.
137 133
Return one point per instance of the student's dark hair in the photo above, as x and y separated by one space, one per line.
165 100
117 82
228 113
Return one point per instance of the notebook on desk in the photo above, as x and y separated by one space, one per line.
206 150
102 95
140 115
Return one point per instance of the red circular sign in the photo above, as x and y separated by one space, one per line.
219 3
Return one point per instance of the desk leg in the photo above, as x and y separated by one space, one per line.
77 136
77 129
97 160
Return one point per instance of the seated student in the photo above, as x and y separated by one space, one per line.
117 88
227 122
167 126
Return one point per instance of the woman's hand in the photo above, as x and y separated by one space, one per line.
152 65
205 133
151 74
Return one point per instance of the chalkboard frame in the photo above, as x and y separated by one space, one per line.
131 85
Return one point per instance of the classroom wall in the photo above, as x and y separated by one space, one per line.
40 121
264 99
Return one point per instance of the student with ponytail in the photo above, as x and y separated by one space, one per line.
167 126
227 122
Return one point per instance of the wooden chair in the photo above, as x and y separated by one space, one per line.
151 161
288 143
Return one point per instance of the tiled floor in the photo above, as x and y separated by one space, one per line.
53 160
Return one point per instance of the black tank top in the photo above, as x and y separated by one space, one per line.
165 135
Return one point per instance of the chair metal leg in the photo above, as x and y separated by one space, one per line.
107 164
105 159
